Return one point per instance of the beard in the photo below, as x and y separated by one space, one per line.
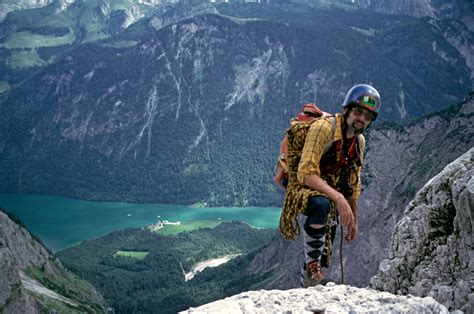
351 128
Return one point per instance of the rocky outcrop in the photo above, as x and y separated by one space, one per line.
320 299
25 265
431 252
14 298
18 251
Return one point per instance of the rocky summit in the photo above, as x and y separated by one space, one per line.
431 252
321 299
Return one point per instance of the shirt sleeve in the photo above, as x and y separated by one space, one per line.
317 138
355 177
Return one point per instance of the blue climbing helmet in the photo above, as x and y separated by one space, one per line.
364 96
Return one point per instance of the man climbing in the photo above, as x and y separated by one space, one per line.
324 164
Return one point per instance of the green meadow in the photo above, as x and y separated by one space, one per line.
132 254
26 39
21 59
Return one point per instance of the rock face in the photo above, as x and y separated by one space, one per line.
25 265
431 252
18 250
320 299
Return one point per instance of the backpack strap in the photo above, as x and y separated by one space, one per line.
332 119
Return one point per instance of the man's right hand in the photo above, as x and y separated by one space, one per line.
345 212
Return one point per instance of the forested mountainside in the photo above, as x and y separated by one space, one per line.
140 271
181 113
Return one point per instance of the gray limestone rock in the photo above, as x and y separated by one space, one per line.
431 252
20 253
399 161
321 299
13 297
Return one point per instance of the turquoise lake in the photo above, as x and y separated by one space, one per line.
61 221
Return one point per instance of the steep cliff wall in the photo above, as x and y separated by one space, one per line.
432 250
26 267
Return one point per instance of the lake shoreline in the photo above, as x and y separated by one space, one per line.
61 222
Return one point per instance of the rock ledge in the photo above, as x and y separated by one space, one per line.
325 299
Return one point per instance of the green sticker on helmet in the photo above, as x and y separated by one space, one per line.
369 101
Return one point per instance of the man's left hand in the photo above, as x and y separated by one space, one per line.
352 230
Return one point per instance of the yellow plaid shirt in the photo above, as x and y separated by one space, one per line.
318 137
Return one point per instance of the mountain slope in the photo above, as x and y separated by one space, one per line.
178 116
34 281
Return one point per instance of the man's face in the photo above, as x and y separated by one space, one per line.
359 118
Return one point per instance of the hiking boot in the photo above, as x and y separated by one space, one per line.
312 275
